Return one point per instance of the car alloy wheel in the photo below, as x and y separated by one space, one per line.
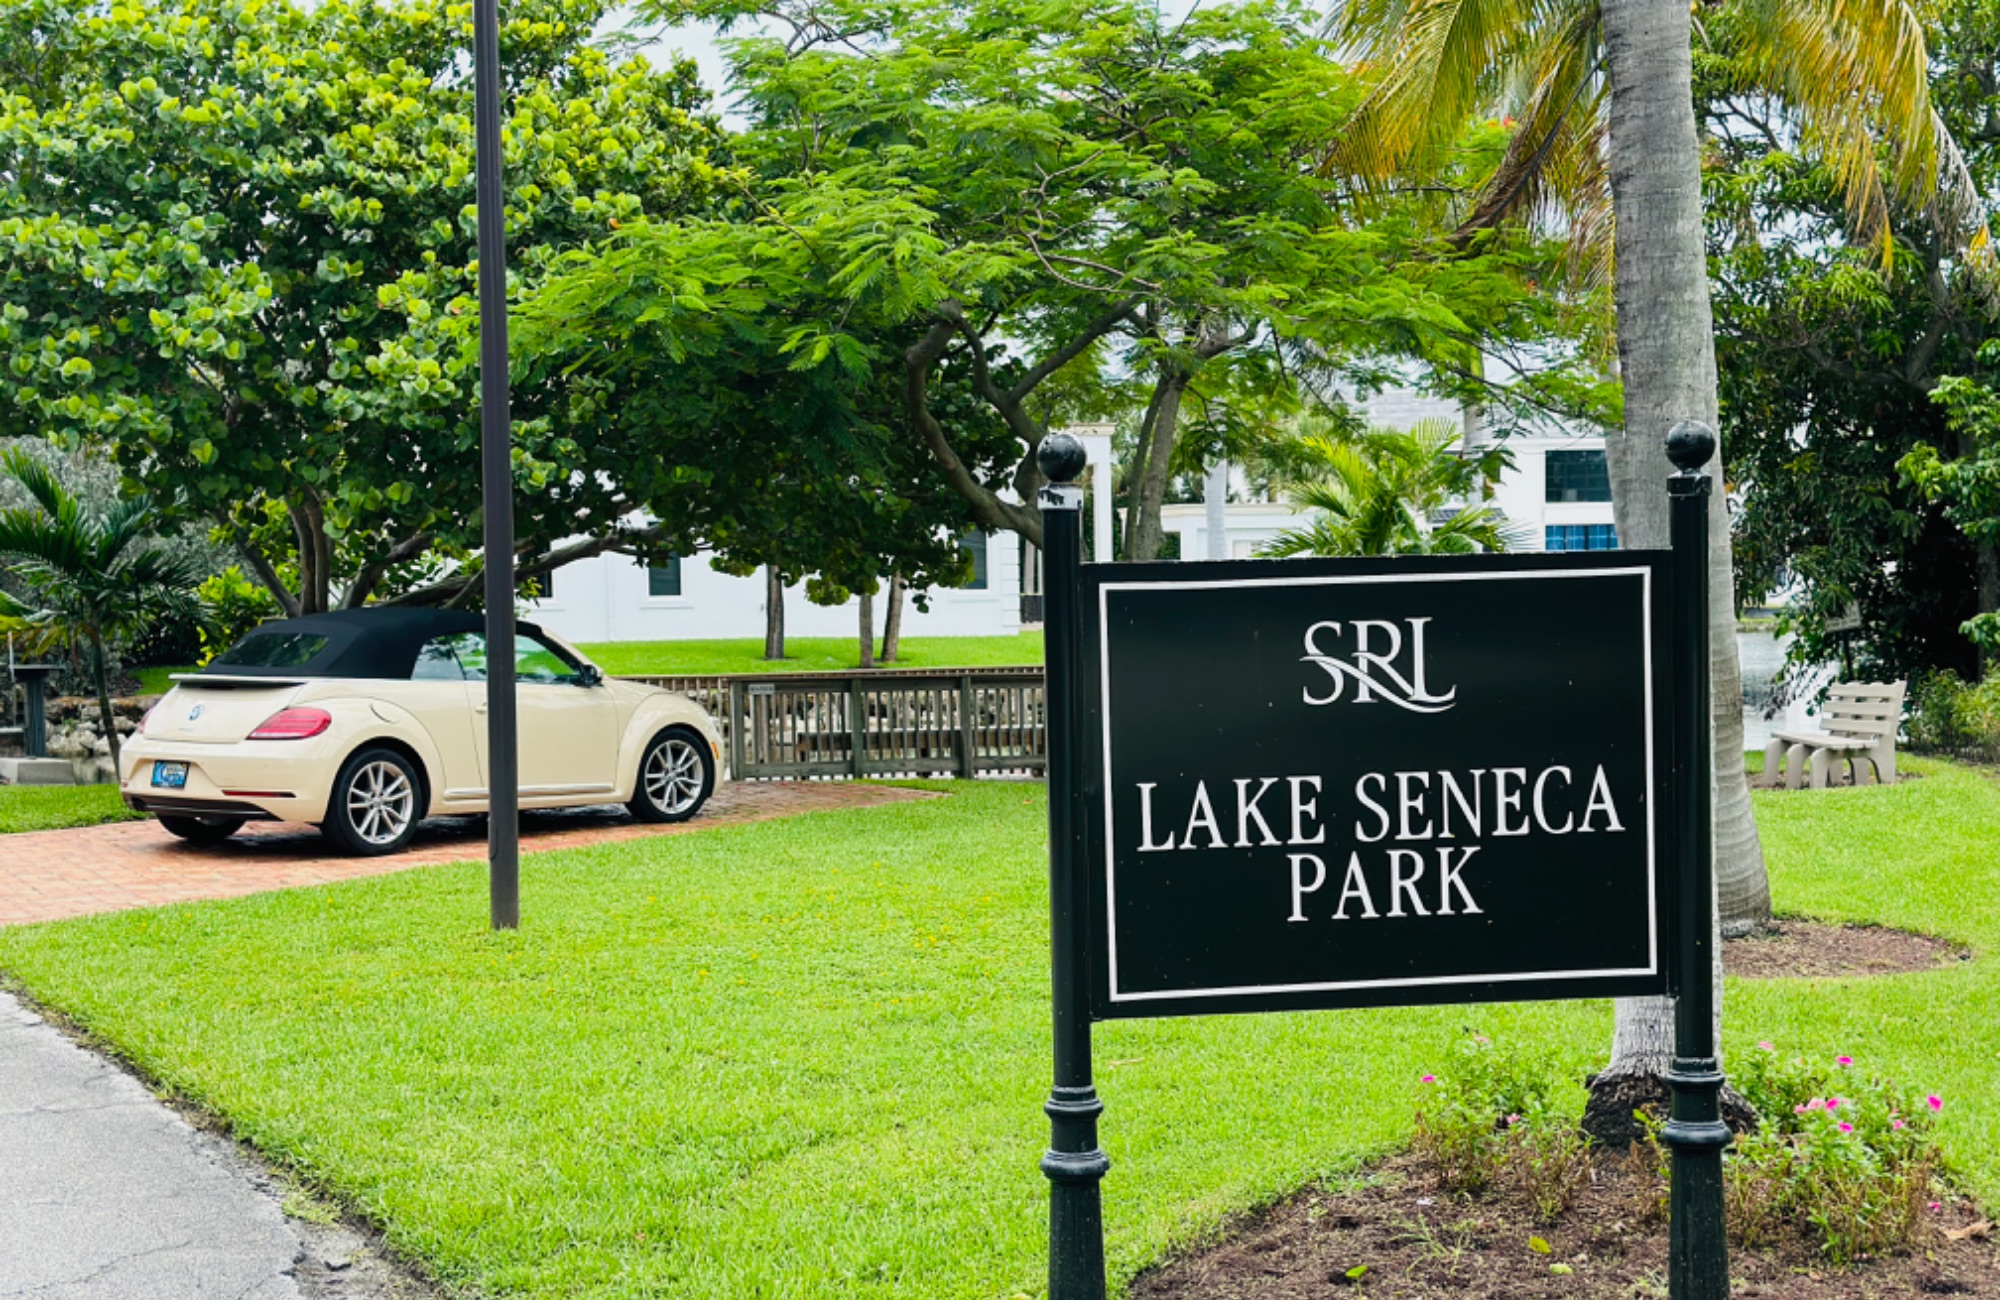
376 802
675 778
381 800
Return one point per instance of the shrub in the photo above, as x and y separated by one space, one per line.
1490 1117
1845 1161
1956 718
231 605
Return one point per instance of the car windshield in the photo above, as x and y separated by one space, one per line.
273 650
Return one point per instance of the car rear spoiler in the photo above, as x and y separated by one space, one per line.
230 680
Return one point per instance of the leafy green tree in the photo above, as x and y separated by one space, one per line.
1852 387
1608 150
237 247
1046 207
91 577
1392 492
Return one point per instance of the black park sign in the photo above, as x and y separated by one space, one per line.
1297 784
1337 783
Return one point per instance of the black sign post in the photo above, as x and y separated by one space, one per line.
1073 1163
1697 1255
1296 784
496 475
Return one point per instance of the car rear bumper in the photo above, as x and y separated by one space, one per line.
273 779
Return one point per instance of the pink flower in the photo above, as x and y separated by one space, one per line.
1895 1123
1843 1061
1937 1205
1429 1078
1833 1103
1935 1102
1800 1110
1767 1047
1845 1127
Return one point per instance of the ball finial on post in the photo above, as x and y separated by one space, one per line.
1062 458
1690 445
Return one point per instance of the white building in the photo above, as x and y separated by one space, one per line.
616 598
1558 492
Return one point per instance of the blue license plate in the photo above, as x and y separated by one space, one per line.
170 776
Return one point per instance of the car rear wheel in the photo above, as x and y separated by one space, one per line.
676 776
376 803
200 830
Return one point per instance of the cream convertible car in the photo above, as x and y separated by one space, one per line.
365 722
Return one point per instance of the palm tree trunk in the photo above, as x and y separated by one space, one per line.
1666 350
892 622
774 613
867 627
105 718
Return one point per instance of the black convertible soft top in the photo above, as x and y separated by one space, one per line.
379 643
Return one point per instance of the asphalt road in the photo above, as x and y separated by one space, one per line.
105 1192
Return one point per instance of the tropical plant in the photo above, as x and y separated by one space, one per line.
1393 492
94 577
1607 150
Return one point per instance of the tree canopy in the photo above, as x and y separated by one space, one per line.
237 248
1050 210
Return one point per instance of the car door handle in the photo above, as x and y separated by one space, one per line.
479 707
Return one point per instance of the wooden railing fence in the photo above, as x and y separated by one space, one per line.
898 722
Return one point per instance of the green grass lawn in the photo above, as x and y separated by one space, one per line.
810 654
54 807
807 1058
157 680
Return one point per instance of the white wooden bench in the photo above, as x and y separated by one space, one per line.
1858 724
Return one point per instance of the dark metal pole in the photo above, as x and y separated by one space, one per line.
1074 1163
1697 1255
496 457
35 724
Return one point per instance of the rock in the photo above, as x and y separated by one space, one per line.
102 748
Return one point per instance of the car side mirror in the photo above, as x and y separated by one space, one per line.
588 675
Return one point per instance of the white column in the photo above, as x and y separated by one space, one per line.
1215 495
1096 439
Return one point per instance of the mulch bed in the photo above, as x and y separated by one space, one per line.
1816 950
1409 1242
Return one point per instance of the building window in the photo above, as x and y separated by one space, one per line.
1582 537
664 578
1576 476
975 543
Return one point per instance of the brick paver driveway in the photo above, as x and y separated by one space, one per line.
47 875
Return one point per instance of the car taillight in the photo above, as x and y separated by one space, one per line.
293 724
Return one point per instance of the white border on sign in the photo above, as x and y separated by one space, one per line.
1645 576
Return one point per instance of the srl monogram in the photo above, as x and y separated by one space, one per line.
1405 692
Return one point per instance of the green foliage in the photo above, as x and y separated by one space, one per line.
1386 492
1005 233
1948 715
1845 1160
237 246
1490 1116
1849 382
91 578
231 605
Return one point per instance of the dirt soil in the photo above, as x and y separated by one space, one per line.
1387 1234
1813 949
